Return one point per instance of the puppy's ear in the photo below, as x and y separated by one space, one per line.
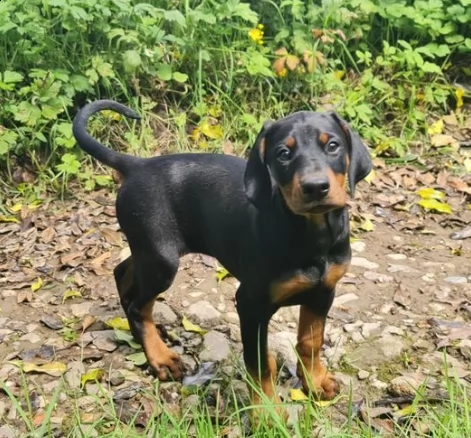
360 161
257 179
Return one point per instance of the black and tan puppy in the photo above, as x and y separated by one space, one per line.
278 222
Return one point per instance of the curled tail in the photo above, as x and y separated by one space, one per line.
107 156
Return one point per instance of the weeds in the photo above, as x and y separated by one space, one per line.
216 70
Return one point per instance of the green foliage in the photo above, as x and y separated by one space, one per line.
225 64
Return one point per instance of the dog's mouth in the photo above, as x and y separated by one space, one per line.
317 207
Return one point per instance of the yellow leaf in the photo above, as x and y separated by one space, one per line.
371 176
9 219
298 395
71 294
367 225
436 128
433 204
112 115
323 403
15 208
221 273
37 285
55 369
119 323
214 132
339 74
459 93
429 193
92 376
405 412
190 327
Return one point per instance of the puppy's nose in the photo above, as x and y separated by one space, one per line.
316 188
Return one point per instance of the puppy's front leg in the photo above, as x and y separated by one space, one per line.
254 315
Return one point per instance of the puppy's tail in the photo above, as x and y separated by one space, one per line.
116 160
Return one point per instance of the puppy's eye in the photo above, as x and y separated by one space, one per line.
332 147
283 154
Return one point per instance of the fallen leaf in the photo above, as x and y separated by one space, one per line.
190 327
118 323
433 204
298 395
88 322
138 359
440 140
429 193
370 177
37 284
127 337
436 128
9 219
204 374
55 369
24 296
367 225
92 376
71 294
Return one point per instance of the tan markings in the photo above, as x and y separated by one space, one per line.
291 142
333 274
337 196
323 138
310 370
316 219
157 353
117 176
292 194
261 149
281 291
126 282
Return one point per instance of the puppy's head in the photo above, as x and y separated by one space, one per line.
309 158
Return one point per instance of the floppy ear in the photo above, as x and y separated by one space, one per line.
257 179
360 161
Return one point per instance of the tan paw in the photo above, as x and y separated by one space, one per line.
168 367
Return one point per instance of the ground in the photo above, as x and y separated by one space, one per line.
400 322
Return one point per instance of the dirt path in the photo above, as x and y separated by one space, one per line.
407 295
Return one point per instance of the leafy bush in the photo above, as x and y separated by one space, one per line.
225 64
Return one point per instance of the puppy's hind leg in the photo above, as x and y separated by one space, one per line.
140 279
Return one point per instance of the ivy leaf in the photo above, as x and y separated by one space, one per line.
164 72
190 327
138 359
131 60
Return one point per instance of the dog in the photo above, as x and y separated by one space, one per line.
278 222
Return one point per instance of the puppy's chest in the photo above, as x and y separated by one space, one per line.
293 285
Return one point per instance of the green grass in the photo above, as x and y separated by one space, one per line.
221 414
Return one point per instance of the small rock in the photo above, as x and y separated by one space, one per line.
7 432
378 277
215 347
203 313
370 328
362 262
357 337
391 346
343 299
378 384
191 402
32 338
464 347
456 280
396 256
402 268
189 363
104 340
128 392
282 345
358 246
52 322
163 314
116 378
353 327
363 374
3 409
393 330
74 374
81 309
405 385
231 317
